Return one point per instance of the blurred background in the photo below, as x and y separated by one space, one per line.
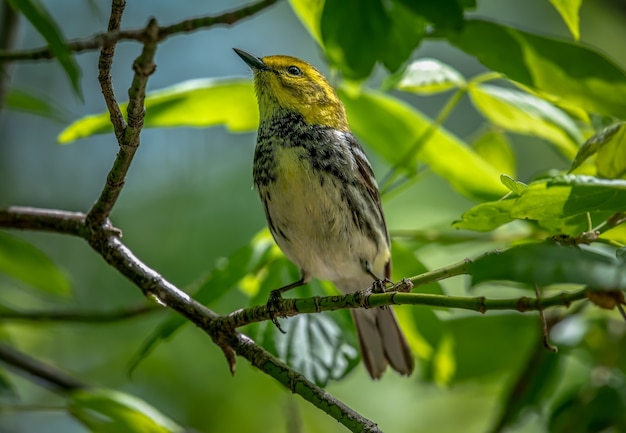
189 201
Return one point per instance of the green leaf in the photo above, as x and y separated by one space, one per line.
494 148
24 262
198 103
316 346
429 76
392 128
545 264
442 13
569 71
568 196
527 114
354 45
385 32
108 411
595 143
515 186
485 217
310 13
404 36
27 102
39 17
568 9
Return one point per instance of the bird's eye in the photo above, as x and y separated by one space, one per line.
294 70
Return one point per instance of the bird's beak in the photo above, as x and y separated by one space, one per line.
254 62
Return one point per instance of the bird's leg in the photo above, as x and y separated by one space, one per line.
275 297
379 283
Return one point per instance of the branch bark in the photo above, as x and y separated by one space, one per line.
112 37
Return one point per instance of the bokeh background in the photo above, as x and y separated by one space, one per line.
188 201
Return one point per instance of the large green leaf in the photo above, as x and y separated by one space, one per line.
527 114
569 71
354 45
385 32
546 264
569 196
39 17
108 411
568 9
199 103
24 262
392 128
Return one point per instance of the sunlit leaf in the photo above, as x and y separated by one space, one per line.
494 148
515 186
568 9
108 411
198 103
545 264
39 17
28 102
392 128
569 71
24 262
569 196
428 76
486 216
526 114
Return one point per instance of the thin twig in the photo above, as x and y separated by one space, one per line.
52 377
544 323
109 38
104 71
128 138
77 316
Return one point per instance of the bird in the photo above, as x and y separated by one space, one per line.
321 201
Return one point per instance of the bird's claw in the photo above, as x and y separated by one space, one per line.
273 306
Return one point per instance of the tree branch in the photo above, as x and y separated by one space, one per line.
112 37
107 243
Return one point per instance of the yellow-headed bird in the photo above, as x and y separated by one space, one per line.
321 199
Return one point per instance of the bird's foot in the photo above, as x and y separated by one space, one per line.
273 306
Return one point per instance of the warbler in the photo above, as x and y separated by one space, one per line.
321 200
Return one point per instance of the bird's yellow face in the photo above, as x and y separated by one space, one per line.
287 83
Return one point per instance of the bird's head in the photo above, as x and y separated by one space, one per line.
285 83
